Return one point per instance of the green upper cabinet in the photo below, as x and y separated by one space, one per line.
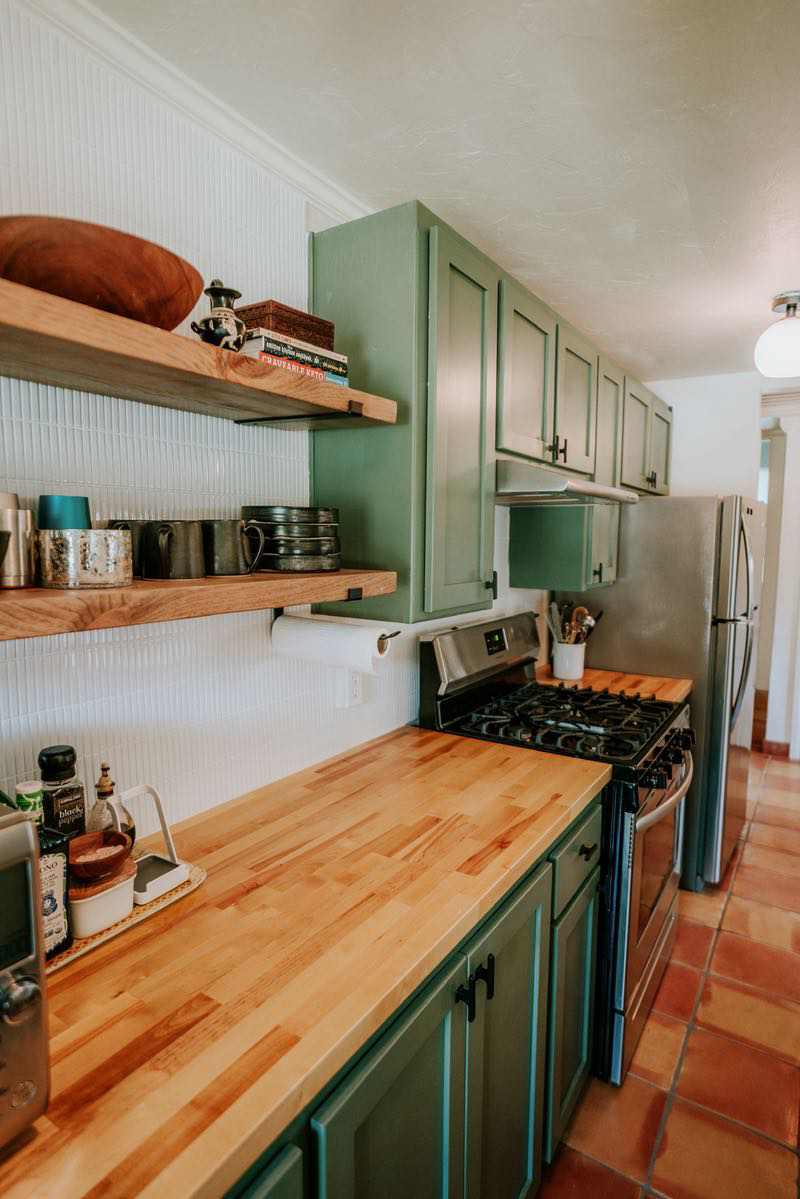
526 374
576 400
415 308
563 547
660 446
610 398
506 1056
459 524
395 1126
646 440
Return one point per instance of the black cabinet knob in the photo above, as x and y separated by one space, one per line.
587 851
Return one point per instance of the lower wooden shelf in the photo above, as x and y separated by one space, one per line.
41 612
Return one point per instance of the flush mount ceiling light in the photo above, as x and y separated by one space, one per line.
777 352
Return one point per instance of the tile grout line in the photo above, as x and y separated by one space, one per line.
690 1027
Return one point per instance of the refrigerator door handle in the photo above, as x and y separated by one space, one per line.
748 549
748 654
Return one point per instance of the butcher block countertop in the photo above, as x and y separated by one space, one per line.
650 685
183 1048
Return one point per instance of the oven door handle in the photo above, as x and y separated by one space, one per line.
668 805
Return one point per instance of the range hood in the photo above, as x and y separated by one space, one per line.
520 483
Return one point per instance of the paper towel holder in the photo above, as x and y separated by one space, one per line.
353 593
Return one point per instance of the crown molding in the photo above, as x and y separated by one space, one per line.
125 53
780 403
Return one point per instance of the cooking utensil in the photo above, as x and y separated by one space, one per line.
72 558
557 621
282 514
104 268
597 620
301 562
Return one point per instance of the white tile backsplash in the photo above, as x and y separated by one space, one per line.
199 708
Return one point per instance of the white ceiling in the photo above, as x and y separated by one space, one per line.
635 162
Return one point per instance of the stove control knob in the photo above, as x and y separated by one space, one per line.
685 738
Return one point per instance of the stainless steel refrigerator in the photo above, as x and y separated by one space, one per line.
686 604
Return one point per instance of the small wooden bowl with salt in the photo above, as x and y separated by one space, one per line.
98 855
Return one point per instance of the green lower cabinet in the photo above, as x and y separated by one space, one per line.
564 547
572 991
282 1179
506 1046
395 1125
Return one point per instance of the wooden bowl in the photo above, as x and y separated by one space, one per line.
101 267
91 869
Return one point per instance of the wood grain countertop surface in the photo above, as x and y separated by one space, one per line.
183 1048
649 685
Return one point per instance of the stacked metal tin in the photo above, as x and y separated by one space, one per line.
296 538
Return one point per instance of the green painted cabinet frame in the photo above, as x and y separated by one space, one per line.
576 400
563 547
610 399
661 446
506 1045
572 991
526 374
282 1178
395 1126
415 307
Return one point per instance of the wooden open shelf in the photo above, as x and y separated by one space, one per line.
40 611
45 339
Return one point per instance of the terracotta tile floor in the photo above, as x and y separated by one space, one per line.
711 1106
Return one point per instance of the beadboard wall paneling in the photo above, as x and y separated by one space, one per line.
199 708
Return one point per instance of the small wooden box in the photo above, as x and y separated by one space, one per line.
280 318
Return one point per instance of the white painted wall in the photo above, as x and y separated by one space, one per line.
716 432
199 708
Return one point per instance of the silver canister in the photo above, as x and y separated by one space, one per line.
18 564
85 557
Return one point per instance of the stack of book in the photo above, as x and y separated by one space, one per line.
278 349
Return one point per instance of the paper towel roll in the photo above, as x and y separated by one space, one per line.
331 642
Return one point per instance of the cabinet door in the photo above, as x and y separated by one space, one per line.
550 547
660 446
636 435
506 1046
610 397
526 373
282 1179
462 369
604 544
576 400
572 973
395 1125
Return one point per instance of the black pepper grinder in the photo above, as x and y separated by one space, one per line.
63 798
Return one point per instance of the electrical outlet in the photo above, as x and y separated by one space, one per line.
350 689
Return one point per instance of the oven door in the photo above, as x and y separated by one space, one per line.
655 869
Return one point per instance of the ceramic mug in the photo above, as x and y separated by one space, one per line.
64 512
173 549
228 546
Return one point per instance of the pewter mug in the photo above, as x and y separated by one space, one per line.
18 567
173 549
71 558
137 528
229 549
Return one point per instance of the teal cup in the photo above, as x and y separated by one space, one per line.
64 512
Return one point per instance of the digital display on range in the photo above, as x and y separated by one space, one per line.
16 934
495 641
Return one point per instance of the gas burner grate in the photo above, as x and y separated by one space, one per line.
581 722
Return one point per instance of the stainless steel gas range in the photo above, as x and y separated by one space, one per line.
478 681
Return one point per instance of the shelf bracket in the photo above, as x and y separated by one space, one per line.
355 408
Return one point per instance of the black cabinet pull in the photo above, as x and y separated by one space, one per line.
586 851
563 450
466 994
553 447
486 975
597 573
652 479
